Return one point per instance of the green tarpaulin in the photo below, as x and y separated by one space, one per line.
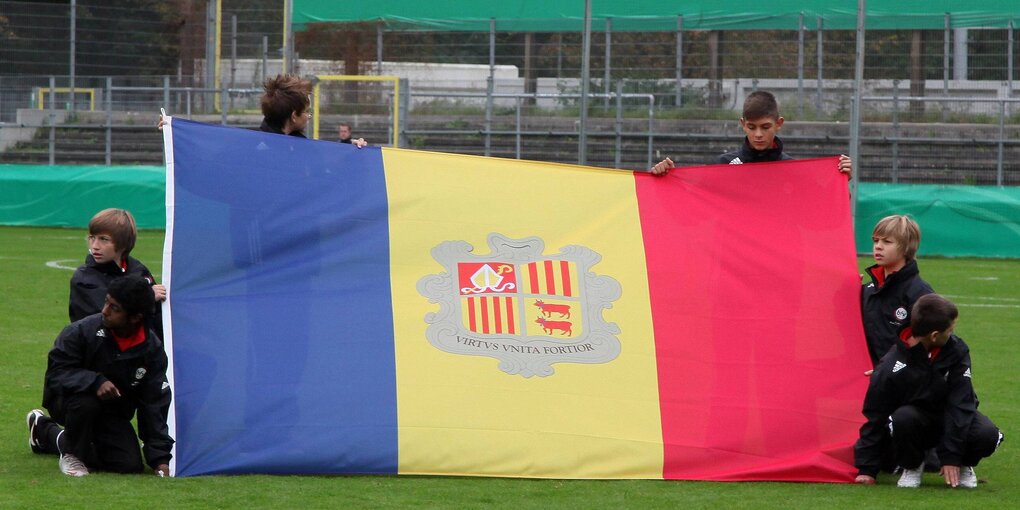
68 196
981 221
955 220
658 15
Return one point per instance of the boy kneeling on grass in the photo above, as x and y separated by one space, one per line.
103 371
921 397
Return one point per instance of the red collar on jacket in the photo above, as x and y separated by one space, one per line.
126 343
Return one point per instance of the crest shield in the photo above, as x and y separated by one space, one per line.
527 309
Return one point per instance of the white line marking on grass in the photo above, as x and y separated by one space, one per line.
984 278
59 264
985 298
984 305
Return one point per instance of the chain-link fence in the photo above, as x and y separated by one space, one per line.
938 104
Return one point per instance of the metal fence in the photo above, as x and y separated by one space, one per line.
938 105
949 139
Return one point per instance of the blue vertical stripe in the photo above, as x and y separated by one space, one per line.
279 300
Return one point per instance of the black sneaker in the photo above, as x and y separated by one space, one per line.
32 419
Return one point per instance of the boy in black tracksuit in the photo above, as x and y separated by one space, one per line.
761 122
920 397
895 286
112 235
91 279
102 371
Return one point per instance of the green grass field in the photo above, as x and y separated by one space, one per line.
33 309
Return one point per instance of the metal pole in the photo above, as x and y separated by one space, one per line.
1002 138
946 48
492 48
517 123
166 90
855 121
490 86
180 83
818 95
960 54
74 20
619 123
651 132
896 131
1009 59
53 120
265 56
679 61
609 51
233 55
288 14
378 47
210 53
582 139
109 120
800 68
404 104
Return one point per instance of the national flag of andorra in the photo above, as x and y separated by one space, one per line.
389 311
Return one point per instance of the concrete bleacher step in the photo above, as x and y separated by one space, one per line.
686 143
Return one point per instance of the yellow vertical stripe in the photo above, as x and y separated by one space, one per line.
462 414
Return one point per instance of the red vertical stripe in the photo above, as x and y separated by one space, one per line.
472 324
550 278
565 269
485 314
498 314
779 259
533 277
511 327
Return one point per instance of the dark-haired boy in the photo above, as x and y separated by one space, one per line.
760 121
286 107
103 371
921 396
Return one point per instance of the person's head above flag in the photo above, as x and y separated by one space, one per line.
285 104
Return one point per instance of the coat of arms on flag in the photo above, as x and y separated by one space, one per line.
525 308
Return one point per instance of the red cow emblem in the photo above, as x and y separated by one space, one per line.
550 326
547 310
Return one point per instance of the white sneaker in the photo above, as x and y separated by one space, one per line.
72 466
911 478
968 478
33 419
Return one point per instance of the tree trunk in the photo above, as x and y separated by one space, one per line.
529 69
352 65
714 70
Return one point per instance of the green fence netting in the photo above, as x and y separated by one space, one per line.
982 221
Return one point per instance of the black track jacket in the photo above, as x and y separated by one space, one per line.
885 310
90 281
85 355
941 387
748 154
